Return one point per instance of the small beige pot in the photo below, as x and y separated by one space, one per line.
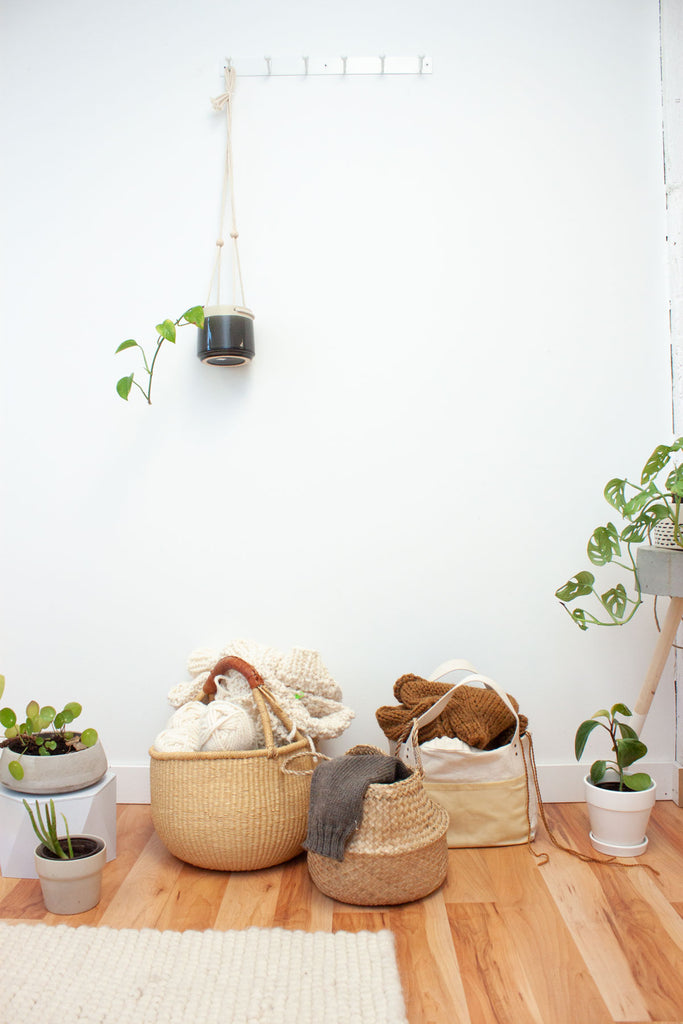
71 886
63 773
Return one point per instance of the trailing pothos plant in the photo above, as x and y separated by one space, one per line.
626 747
641 506
166 331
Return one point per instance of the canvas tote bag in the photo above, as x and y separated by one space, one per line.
487 793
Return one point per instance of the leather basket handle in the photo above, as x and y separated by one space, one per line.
224 665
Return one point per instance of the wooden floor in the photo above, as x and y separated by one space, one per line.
505 940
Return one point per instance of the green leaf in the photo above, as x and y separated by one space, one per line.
44 752
629 750
73 709
33 709
15 770
124 385
579 617
89 737
8 718
2 685
627 731
582 734
636 503
621 709
603 545
579 585
47 716
167 330
615 493
598 769
674 481
660 511
615 600
638 781
195 315
602 713
636 532
655 463
127 344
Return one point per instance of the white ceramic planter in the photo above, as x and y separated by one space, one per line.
619 819
63 773
71 886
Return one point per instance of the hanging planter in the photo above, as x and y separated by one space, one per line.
226 337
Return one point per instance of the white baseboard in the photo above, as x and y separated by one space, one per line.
559 783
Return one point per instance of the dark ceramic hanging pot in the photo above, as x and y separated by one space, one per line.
227 337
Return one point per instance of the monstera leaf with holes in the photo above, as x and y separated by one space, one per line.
657 497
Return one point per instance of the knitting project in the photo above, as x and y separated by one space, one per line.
475 715
298 679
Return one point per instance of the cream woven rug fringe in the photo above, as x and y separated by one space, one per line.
57 974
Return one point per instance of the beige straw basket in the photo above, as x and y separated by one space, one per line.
234 810
398 854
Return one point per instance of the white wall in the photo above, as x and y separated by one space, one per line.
461 325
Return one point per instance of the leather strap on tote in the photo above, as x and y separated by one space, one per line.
224 665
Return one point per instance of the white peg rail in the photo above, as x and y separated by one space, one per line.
264 67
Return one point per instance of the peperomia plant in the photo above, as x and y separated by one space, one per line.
166 331
626 747
30 736
641 507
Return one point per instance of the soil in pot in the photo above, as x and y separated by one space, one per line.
30 747
82 846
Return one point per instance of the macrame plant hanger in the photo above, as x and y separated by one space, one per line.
227 337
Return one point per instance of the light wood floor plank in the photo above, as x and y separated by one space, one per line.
504 941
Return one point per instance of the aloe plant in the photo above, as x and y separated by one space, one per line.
626 747
31 735
166 331
46 830
641 506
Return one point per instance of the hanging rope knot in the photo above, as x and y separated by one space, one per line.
219 242
234 234
222 101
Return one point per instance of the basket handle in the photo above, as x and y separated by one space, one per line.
259 692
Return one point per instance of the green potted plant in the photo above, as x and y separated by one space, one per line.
41 754
619 802
69 867
646 509
166 331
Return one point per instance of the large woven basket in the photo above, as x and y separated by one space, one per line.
398 854
234 810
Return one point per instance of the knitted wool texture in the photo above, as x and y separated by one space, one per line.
475 715
298 679
336 803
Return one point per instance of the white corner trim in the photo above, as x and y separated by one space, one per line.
559 783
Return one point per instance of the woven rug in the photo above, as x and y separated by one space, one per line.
63 975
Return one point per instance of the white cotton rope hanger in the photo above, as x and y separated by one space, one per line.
224 102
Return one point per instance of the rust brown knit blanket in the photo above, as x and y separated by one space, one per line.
475 715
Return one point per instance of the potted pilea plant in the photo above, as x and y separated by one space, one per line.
69 867
619 803
648 510
166 331
39 759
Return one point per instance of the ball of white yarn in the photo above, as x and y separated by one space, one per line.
225 726
178 740
187 715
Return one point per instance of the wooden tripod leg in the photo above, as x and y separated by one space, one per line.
657 662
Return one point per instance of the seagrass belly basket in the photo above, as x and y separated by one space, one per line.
234 810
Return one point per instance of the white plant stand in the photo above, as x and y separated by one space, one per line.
660 571
91 810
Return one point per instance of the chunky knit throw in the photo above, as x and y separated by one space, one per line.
475 715
336 803
298 679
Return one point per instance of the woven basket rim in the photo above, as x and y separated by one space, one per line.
217 755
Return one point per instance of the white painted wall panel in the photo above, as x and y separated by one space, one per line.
459 284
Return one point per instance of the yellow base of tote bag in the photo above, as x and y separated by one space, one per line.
489 794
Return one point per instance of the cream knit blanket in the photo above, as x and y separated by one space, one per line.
57 974
298 679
